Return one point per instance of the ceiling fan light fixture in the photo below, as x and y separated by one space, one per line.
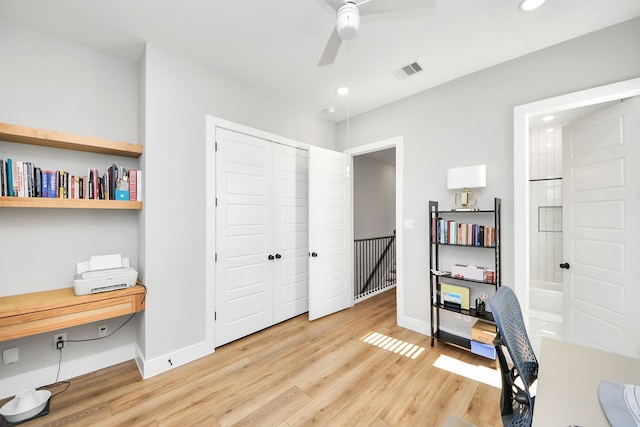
348 21
528 5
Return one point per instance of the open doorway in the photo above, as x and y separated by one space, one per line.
546 180
396 144
374 222
524 216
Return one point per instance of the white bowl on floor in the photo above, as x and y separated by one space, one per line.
26 404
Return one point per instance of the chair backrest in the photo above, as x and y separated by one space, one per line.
508 317
516 402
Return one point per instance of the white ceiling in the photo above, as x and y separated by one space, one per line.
275 45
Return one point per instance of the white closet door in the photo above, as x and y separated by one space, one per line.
330 264
291 267
244 235
601 184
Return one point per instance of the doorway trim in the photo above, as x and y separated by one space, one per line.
397 143
521 115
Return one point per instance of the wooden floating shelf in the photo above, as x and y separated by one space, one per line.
47 311
54 139
38 202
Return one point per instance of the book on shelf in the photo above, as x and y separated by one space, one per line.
37 177
139 185
27 176
45 184
133 184
53 185
2 182
19 178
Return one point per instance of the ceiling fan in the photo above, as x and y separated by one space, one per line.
348 14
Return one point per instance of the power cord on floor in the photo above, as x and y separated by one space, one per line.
56 383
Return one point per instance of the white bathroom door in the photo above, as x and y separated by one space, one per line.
601 191
330 254
291 222
244 235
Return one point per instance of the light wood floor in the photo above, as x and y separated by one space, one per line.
293 374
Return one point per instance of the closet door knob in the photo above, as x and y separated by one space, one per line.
313 254
278 256
270 257
565 265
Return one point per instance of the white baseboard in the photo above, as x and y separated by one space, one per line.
69 369
414 324
151 367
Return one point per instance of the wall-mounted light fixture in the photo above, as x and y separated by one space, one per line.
465 178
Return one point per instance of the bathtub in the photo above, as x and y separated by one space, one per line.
545 301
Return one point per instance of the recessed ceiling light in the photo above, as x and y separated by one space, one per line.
528 5
548 118
342 90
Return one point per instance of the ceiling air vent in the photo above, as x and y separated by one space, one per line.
407 70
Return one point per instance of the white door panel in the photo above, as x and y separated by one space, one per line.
244 236
291 293
329 233
600 186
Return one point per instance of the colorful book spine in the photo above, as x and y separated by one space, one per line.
133 184
19 178
37 181
139 185
9 177
53 184
45 184
2 182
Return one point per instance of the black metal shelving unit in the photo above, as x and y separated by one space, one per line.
487 217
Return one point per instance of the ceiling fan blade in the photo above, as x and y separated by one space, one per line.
373 7
331 49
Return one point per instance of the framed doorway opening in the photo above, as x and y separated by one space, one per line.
522 115
397 143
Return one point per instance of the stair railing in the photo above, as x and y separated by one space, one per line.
374 265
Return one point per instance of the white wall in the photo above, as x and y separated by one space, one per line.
179 94
374 197
470 121
49 83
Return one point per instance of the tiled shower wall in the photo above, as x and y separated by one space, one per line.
545 189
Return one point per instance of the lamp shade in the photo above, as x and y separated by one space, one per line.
467 177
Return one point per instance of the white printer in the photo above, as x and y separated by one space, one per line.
103 273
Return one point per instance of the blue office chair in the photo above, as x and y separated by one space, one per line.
516 402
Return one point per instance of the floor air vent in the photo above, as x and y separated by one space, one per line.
407 70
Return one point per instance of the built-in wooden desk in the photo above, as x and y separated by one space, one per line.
39 312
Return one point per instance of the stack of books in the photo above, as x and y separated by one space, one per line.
24 179
456 233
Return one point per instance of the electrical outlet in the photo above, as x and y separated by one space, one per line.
103 331
59 338
10 355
